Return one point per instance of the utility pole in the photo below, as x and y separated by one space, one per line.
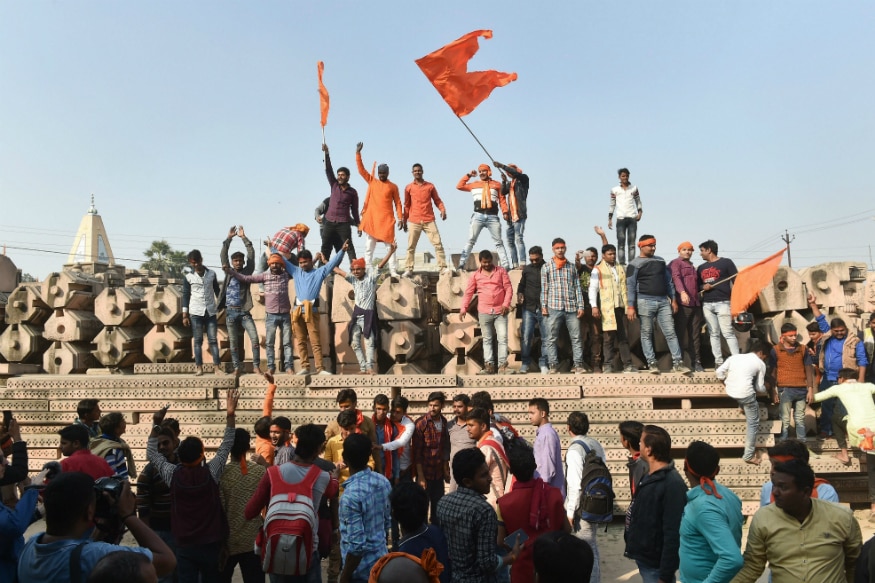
786 239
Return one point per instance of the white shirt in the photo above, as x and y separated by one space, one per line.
624 202
403 440
574 470
744 375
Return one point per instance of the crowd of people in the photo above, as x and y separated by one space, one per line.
382 497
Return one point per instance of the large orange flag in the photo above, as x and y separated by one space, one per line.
751 280
323 94
447 69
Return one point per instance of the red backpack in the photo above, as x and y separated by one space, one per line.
285 542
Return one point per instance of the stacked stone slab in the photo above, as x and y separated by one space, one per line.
688 408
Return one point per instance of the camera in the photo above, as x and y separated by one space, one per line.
112 486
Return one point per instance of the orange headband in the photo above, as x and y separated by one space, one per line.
360 262
645 242
195 463
275 258
706 482
781 458
485 167
684 245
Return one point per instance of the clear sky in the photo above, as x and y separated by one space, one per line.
737 119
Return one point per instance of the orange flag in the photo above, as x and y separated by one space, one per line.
447 69
323 94
751 280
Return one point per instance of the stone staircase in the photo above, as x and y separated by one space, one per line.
689 408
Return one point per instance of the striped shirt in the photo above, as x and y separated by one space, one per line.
560 288
365 289
365 517
153 499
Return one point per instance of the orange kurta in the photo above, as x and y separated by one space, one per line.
378 218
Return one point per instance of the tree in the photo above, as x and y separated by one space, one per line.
27 278
161 257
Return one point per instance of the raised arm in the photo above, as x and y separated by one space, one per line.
329 171
226 244
601 233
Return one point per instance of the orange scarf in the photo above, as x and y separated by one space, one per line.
560 263
428 562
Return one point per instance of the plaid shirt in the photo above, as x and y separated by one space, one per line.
560 288
365 517
431 448
471 527
288 241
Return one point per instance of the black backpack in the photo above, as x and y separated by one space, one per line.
596 488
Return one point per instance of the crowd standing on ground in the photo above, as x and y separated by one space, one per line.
388 495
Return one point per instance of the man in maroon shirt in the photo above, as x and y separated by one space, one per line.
78 458
689 319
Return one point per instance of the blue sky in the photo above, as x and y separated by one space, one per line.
737 120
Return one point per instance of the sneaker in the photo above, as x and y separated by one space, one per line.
524 369
681 368
408 274
323 373
504 370
488 369
290 371
394 274
630 369
271 370
608 369
597 370
198 371
553 370
652 368
580 370
545 370
256 368
699 367
302 372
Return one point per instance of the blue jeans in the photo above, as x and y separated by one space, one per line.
284 323
719 319
793 398
556 318
366 356
479 221
627 232
651 574
515 243
197 331
235 319
826 409
659 309
530 320
586 531
492 325
752 417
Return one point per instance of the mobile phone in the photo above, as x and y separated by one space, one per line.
7 418
511 539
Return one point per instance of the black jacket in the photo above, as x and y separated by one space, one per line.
530 287
653 534
521 190
248 269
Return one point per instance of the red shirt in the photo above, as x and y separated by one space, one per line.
418 202
84 461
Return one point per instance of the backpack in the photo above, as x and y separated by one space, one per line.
596 489
509 437
285 541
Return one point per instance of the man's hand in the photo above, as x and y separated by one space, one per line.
638 218
674 306
127 502
232 232
232 398
504 310
158 416
325 147
685 298
393 247
506 216
497 164
240 232
472 174
580 313
447 472
358 147
257 458
809 398
423 483
707 287
360 231
812 299
269 378
596 313
319 257
443 215
631 313
610 224
520 299
319 220
462 315
227 268
598 230
543 311
14 429
400 225
346 243
186 321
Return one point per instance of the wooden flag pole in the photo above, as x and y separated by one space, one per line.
477 140
730 278
323 135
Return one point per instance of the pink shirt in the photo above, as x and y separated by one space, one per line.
493 291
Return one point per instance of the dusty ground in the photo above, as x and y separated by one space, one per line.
615 567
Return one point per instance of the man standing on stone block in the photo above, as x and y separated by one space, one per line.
529 297
715 283
342 212
562 304
419 217
516 191
651 297
199 290
608 297
237 300
494 292
688 319
792 371
378 220
488 199
626 203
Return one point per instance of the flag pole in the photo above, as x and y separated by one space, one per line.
730 278
323 135
475 138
